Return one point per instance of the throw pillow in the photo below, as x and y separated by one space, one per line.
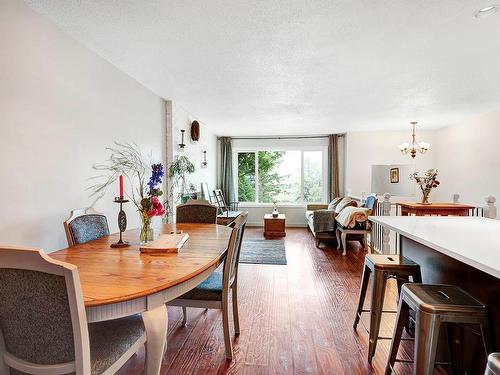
344 203
334 203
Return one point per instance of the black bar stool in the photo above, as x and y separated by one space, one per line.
382 267
434 305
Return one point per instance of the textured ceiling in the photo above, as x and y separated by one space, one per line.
299 67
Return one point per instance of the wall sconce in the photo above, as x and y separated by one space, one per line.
204 162
182 144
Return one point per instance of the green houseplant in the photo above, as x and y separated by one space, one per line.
179 169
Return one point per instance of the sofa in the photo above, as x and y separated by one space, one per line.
321 218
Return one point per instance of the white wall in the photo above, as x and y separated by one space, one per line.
465 154
60 106
468 159
177 118
182 119
364 149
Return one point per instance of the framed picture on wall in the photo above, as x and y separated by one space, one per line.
394 175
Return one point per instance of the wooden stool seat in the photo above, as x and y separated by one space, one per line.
382 267
434 304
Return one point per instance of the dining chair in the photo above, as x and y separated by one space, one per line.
43 325
196 211
84 225
213 293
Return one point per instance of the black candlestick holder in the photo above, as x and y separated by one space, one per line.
122 223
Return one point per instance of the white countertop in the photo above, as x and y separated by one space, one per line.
471 240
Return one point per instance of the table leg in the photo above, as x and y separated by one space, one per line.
156 324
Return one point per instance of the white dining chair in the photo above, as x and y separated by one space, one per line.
43 326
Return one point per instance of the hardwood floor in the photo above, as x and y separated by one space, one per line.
295 319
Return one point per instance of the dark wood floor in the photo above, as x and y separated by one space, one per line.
295 319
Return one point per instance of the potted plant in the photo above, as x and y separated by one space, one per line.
178 171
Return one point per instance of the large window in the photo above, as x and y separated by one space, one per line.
285 176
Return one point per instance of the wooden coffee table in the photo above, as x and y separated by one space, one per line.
274 226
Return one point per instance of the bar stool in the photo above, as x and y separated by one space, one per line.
382 267
493 366
433 305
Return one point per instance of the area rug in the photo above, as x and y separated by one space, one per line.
257 251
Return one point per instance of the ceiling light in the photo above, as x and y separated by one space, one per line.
413 147
487 11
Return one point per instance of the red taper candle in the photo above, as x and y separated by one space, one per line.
121 187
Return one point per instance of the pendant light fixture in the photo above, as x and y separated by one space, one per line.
413 147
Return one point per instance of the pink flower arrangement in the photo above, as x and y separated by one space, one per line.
157 208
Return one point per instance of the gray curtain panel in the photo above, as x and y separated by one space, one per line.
226 169
333 166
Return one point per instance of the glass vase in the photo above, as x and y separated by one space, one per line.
146 234
425 196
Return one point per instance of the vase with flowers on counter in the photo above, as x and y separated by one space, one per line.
426 183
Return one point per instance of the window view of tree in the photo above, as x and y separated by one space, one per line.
246 176
270 179
291 176
313 176
289 171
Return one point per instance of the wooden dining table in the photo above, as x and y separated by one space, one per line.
118 282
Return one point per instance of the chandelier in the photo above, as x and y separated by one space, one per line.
413 147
